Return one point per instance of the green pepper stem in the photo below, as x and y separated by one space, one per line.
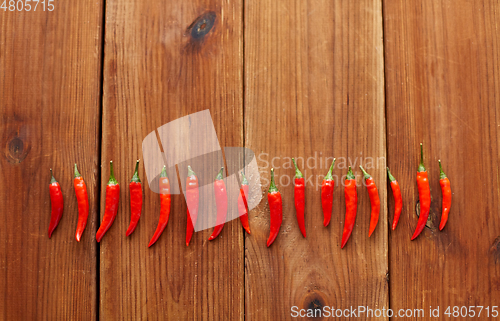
52 180
77 173
329 174
298 174
135 177
391 178
243 179
441 173
350 175
190 171
365 174
112 179
421 167
164 171
272 187
219 175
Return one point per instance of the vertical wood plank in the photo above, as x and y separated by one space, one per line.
156 71
49 101
314 84
443 80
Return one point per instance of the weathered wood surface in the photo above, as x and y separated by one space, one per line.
156 70
304 79
314 89
49 101
443 79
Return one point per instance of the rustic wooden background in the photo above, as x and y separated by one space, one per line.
88 81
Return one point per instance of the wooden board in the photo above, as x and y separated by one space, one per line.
50 118
314 89
443 80
156 70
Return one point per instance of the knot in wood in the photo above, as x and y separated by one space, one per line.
202 25
314 301
15 150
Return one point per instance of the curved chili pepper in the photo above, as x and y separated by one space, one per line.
192 197
111 207
299 197
446 192
398 200
221 201
135 188
275 208
327 195
83 203
242 204
164 206
351 206
374 200
424 195
57 203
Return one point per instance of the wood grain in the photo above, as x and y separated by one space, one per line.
443 80
49 89
314 82
156 70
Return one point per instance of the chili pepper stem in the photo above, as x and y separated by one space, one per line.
243 179
52 179
441 173
164 172
135 177
112 179
77 173
391 178
350 175
190 171
421 167
365 174
298 173
272 186
329 174
219 175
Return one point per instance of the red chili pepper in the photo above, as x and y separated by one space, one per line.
351 206
424 195
164 206
57 203
446 192
374 200
327 195
192 197
135 188
221 201
243 205
275 208
299 197
83 203
111 207
398 200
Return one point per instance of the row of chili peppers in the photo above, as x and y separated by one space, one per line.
135 187
351 200
274 200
